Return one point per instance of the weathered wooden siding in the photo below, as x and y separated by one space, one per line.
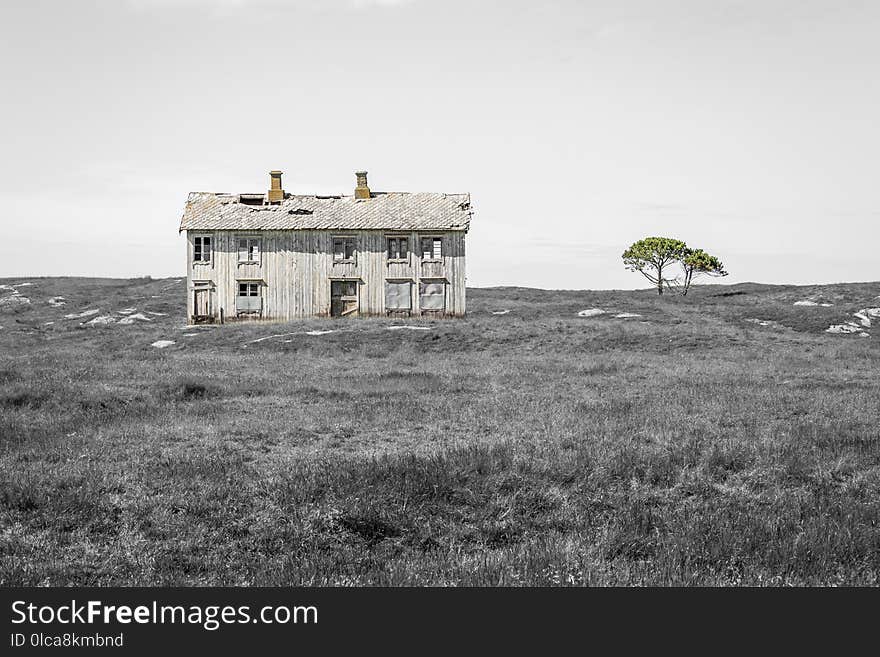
296 268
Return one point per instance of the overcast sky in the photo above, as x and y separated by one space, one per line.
747 128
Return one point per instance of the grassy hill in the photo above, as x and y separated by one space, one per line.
721 438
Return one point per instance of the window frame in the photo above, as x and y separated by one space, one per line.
425 281
399 256
200 239
253 288
345 240
435 239
250 241
399 281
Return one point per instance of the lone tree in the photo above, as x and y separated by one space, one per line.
697 262
653 256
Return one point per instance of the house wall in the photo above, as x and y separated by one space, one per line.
296 269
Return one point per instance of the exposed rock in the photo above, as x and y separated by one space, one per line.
14 300
103 319
84 313
131 319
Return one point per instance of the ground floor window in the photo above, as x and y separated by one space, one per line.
248 299
398 295
432 295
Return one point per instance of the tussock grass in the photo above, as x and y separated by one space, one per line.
536 447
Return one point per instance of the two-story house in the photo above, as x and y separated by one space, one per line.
282 256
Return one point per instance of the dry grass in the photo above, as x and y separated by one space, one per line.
536 447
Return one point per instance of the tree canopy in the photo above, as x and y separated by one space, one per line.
697 262
652 257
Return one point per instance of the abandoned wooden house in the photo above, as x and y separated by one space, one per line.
283 256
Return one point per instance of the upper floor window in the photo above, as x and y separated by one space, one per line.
343 249
202 248
248 249
398 248
432 248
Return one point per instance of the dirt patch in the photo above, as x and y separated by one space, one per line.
188 390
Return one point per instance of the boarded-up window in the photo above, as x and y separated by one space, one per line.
343 249
248 299
398 295
248 249
398 248
432 248
202 248
432 296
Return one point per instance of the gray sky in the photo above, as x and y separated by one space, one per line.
748 128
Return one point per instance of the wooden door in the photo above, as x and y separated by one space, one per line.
343 298
202 306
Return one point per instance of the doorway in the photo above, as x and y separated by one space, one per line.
343 298
203 306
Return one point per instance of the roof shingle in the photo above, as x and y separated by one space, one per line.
384 211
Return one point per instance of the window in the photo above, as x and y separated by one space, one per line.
398 296
248 289
248 249
343 249
248 299
432 248
398 248
432 296
202 248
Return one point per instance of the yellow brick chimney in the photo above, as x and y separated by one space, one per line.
276 193
361 191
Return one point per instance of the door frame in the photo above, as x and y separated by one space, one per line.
350 312
205 287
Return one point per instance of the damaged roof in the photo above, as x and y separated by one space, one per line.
383 211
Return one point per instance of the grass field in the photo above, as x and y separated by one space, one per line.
722 438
